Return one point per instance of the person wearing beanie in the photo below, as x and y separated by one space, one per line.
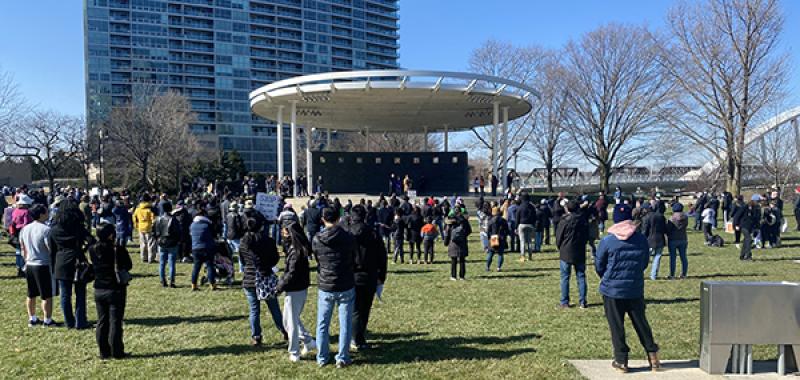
654 227
455 239
572 234
677 241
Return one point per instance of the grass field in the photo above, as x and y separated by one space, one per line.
494 325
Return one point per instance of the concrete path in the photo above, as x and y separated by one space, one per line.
673 370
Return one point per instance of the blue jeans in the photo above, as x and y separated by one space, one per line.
580 273
233 244
485 241
255 312
198 259
165 255
490 255
537 241
679 246
65 287
19 262
656 253
326 301
602 226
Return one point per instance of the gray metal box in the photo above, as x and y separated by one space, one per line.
746 313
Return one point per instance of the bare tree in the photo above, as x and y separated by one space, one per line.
11 102
45 138
151 129
776 154
383 142
725 59
551 145
82 149
504 60
614 85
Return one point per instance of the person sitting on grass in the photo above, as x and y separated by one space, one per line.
622 257
36 251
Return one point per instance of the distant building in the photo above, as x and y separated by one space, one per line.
216 51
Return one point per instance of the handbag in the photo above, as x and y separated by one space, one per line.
494 241
84 272
123 275
266 286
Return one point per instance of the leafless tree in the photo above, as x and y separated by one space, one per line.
45 138
381 142
151 133
550 144
725 59
82 149
776 154
11 102
614 85
504 60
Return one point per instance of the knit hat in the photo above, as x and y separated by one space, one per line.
248 204
677 207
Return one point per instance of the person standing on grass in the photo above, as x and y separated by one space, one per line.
167 234
526 218
748 223
602 211
498 231
69 239
622 257
708 217
457 232
571 237
677 241
234 230
20 218
295 282
369 269
797 208
399 227
259 254
334 249
123 221
414 223
110 295
34 242
739 208
203 248
654 227
143 219
511 211
429 234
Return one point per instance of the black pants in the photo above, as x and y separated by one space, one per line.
797 218
363 304
547 234
738 234
707 232
615 314
110 306
747 245
461 263
427 245
415 246
513 238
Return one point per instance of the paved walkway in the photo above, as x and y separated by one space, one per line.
673 370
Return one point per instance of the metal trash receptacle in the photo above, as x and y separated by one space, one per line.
737 315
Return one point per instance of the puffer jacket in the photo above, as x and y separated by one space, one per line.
654 227
334 249
526 213
259 253
498 226
458 226
202 232
676 227
572 235
296 275
622 257
144 218
370 257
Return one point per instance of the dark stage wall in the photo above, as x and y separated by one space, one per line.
433 173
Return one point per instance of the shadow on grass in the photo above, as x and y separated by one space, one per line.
775 258
531 270
501 276
210 351
12 277
722 275
671 301
412 271
445 349
170 320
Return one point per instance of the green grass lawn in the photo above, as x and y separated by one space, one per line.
494 325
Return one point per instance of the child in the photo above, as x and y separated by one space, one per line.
429 235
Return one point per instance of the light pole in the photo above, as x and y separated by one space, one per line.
100 148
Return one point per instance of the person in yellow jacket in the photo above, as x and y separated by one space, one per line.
143 221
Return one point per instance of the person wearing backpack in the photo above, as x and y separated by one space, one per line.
234 230
167 233
458 230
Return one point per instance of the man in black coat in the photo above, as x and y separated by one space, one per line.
572 234
313 219
654 227
369 269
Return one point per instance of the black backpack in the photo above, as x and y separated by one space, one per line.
717 241
235 227
172 236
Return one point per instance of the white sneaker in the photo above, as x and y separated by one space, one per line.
294 358
307 348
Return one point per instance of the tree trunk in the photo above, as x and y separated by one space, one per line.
145 173
549 169
605 176
734 182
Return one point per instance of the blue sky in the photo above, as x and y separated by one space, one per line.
41 42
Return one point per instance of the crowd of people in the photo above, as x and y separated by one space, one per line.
72 237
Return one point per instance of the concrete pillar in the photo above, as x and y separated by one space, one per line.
366 137
446 135
309 172
327 140
495 126
504 159
279 127
294 143
425 143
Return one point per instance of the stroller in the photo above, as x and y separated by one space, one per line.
223 264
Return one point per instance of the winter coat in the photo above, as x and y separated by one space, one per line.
543 215
202 232
622 257
572 235
676 227
526 213
750 218
313 219
370 256
602 209
413 232
456 236
385 219
144 218
105 272
67 245
654 227
296 276
498 226
334 249
167 231
20 218
259 253
122 221
399 226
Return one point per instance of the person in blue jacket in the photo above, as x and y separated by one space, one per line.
203 248
622 257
